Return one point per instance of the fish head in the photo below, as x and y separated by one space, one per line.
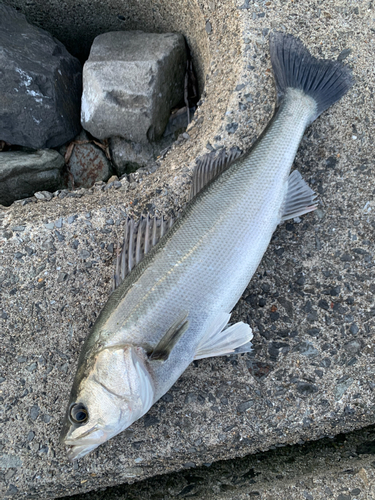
109 393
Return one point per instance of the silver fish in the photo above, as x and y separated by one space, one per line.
174 306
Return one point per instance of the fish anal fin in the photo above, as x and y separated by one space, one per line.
211 165
221 341
300 198
163 349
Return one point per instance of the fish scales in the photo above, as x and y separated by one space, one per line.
174 306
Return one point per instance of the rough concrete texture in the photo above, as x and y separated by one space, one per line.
310 304
131 81
40 85
24 173
340 468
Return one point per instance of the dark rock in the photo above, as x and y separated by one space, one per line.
306 388
314 332
167 398
342 386
87 164
34 412
354 329
232 127
23 174
353 346
191 397
258 369
345 257
245 406
84 254
331 162
12 490
275 347
274 316
306 349
30 436
150 420
128 156
344 54
40 85
325 363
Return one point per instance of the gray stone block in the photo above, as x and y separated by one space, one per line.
40 85
23 174
130 83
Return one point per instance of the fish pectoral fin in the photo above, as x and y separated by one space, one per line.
170 339
221 340
209 166
300 198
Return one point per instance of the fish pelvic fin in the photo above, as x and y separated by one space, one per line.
326 81
210 166
300 198
221 340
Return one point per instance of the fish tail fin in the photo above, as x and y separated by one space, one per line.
326 81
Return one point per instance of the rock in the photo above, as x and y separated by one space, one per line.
40 85
23 174
130 83
129 156
87 164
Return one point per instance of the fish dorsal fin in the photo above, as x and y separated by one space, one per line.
220 339
170 339
210 166
139 238
300 198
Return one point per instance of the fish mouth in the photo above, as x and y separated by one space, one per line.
83 444
78 451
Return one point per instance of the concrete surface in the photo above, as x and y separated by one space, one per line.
340 468
310 304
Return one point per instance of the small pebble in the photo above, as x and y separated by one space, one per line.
71 219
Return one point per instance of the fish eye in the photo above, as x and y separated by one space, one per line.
78 413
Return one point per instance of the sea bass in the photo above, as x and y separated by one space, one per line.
174 306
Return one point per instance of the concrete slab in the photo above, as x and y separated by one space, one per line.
310 304
341 468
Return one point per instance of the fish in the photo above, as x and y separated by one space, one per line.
177 282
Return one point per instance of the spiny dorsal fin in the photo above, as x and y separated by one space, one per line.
170 339
139 238
210 166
